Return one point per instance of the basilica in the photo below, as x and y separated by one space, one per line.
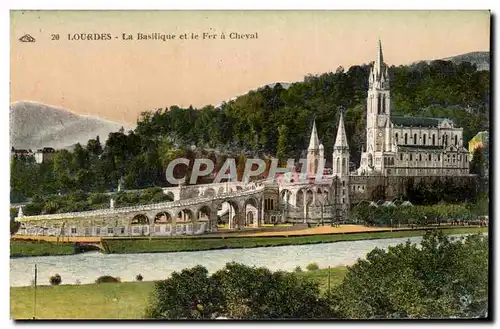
398 148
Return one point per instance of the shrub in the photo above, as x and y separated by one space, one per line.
138 277
107 279
55 280
312 267
297 269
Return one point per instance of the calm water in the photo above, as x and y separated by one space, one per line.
87 267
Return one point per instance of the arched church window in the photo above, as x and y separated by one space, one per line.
396 138
439 157
456 140
344 166
420 157
406 138
424 139
430 156
378 103
383 105
370 160
401 157
338 165
411 157
415 139
433 139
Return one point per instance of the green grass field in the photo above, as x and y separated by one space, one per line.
39 248
108 300
140 245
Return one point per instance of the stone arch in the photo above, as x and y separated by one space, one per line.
140 219
163 217
139 224
319 196
300 198
285 196
249 218
233 213
209 192
203 213
184 216
310 196
171 195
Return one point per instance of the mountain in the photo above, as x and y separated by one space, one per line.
35 125
480 58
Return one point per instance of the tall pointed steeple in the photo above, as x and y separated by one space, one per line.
314 141
341 140
380 60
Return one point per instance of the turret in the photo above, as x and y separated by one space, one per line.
313 152
341 150
314 141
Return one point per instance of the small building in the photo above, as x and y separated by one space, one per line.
42 155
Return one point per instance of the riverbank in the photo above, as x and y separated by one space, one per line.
20 248
151 245
108 300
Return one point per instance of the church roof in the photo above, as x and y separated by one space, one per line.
314 141
341 140
416 121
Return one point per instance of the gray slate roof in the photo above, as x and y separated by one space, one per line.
408 121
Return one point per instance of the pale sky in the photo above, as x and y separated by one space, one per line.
117 79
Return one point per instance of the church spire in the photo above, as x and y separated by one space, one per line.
380 59
314 141
341 140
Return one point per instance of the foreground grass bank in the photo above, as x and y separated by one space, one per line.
108 300
144 245
19 248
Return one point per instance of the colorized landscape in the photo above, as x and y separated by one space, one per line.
353 184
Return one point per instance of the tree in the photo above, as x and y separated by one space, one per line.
189 294
237 292
443 278
282 148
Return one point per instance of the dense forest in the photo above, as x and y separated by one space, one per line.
269 122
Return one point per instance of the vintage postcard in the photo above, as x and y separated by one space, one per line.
249 165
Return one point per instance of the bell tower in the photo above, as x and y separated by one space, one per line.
378 107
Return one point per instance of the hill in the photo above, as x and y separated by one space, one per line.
480 58
34 125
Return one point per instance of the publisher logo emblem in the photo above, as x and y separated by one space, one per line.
27 38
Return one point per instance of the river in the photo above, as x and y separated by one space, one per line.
87 267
